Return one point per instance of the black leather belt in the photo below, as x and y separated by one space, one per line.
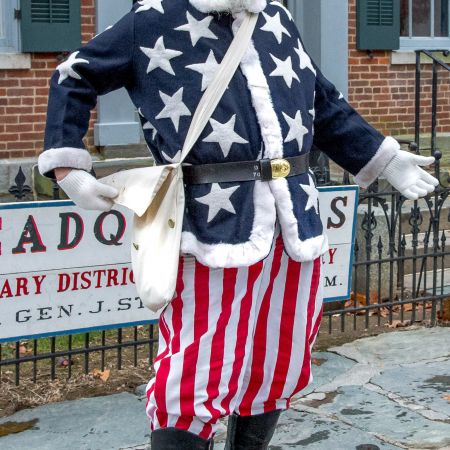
262 170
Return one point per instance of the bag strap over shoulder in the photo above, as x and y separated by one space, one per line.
218 86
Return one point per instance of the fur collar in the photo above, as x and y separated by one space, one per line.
207 6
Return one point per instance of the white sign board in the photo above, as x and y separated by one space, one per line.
338 207
64 270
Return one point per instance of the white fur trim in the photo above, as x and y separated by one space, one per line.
207 6
239 255
262 99
273 143
297 249
75 158
373 169
280 5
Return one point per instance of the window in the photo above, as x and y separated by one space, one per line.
425 24
9 27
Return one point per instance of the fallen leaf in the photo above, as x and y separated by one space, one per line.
359 302
96 373
23 349
446 397
383 312
65 362
318 361
398 324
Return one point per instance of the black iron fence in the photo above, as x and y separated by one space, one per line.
401 269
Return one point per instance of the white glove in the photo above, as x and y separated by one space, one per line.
86 192
405 175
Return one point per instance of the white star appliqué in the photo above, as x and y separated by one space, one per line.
150 4
148 125
65 68
197 28
313 195
160 56
217 200
174 108
173 160
224 135
305 60
208 70
297 131
341 96
273 25
284 69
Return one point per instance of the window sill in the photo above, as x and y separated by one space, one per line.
402 57
15 61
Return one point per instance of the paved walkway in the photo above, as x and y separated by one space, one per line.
384 392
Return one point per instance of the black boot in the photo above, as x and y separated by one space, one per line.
176 439
252 432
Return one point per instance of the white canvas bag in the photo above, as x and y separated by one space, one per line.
156 194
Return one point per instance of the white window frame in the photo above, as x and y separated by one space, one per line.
10 43
428 43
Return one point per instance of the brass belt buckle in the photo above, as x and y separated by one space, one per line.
281 168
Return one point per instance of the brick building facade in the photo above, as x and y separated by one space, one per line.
384 92
24 96
381 91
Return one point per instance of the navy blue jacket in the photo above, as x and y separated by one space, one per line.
165 52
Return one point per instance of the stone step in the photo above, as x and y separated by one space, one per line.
442 281
443 261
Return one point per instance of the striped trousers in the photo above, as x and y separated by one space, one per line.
234 340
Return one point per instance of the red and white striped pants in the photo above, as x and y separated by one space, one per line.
235 339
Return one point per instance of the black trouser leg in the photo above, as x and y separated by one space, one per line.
251 432
176 439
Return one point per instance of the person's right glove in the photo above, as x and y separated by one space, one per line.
86 192
405 175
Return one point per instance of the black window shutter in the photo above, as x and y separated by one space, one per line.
50 25
378 25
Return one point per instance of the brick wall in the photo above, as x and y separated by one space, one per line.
384 93
24 95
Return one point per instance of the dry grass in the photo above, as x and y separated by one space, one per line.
28 394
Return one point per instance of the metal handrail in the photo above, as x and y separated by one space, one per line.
436 62
431 55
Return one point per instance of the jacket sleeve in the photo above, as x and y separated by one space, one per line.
102 65
347 138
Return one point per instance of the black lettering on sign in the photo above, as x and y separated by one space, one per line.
99 303
340 215
20 318
66 310
113 239
30 235
126 303
66 218
331 282
44 313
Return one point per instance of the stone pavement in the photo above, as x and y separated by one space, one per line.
384 392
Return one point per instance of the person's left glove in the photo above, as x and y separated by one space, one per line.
405 175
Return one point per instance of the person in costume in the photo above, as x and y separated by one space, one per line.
236 340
